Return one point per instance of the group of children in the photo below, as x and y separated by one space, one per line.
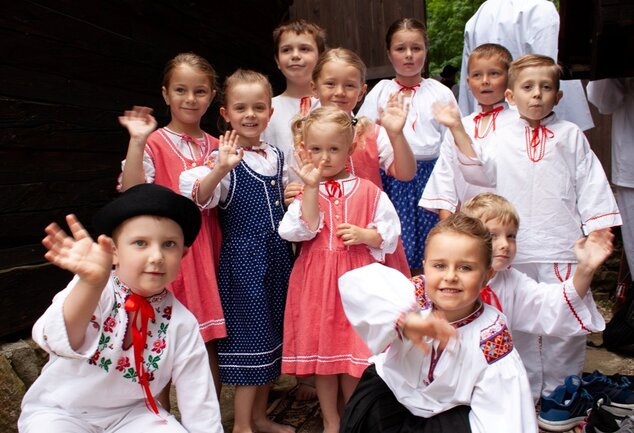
282 272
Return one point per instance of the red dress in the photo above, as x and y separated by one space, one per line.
196 285
318 339
364 162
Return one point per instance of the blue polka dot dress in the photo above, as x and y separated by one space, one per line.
255 265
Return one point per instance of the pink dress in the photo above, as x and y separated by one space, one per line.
318 338
196 285
364 162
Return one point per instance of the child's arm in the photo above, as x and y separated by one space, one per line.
140 123
229 156
448 114
355 235
393 119
311 176
91 261
591 252
416 328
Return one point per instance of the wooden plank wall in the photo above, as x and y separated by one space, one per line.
68 69
360 25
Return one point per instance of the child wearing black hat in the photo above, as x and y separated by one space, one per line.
116 337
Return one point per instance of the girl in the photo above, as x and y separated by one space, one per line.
189 84
406 41
245 179
339 80
468 377
344 222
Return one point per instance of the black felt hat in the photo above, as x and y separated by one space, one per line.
149 199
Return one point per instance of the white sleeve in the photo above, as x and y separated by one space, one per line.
293 228
374 297
551 309
197 401
388 225
189 181
440 190
481 170
385 149
607 95
50 333
501 399
370 106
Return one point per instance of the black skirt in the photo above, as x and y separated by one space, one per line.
373 408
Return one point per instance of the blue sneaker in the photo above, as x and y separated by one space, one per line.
566 407
620 393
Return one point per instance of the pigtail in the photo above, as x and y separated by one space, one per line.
297 129
362 127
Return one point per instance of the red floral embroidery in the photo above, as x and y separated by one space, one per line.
95 358
167 313
123 363
109 324
158 346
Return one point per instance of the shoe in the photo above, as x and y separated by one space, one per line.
627 426
565 407
598 385
605 417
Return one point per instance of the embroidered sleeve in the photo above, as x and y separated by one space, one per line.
495 341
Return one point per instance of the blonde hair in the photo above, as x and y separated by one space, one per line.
348 57
333 115
501 54
299 26
488 206
534 61
462 224
194 61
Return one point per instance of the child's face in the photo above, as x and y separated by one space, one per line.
188 95
325 142
407 53
504 245
455 271
297 56
534 93
487 80
147 253
339 84
248 110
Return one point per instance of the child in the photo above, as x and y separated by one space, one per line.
339 80
189 84
488 68
545 167
406 41
468 377
116 337
298 44
245 179
344 222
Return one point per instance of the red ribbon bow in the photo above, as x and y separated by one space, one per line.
304 105
333 188
478 118
488 296
138 304
536 142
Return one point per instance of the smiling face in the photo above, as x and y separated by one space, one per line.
535 93
147 253
188 94
325 141
407 54
248 110
503 236
487 80
339 84
455 271
297 56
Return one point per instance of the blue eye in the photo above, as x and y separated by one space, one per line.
139 243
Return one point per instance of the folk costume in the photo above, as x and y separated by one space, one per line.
317 336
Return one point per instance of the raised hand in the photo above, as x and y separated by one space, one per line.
79 254
593 250
394 115
307 172
229 152
446 113
139 122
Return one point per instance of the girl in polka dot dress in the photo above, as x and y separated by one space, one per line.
344 222
245 179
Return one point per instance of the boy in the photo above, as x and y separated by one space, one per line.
298 44
117 337
545 167
446 189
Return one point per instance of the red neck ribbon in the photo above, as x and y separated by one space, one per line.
304 105
488 296
333 188
139 305
491 127
536 142
413 89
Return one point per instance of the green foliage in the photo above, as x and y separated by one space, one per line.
445 24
